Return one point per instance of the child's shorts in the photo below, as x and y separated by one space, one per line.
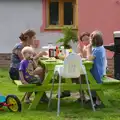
35 80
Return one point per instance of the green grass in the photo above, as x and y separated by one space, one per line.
70 110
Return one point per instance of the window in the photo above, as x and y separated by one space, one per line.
68 13
54 13
61 13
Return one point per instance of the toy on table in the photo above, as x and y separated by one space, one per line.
11 102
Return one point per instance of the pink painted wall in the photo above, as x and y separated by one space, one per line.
103 15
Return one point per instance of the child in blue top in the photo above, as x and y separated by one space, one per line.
98 55
98 68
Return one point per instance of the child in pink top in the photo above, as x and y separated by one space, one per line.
83 43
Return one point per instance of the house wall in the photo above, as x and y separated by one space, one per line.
18 15
103 15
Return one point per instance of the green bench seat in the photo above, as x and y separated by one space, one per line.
108 80
19 84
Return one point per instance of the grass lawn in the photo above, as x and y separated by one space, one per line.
70 110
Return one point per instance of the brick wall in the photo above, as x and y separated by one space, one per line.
111 65
5 62
4 59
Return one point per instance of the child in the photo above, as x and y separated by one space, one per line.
98 55
82 44
27 70
26 39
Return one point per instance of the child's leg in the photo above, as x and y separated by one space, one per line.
82 95
27 97
82 82
37 80
98 102
40 72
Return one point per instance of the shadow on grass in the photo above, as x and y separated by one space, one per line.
72 110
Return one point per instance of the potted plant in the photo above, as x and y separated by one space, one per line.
69 35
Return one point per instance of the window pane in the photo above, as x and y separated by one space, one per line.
54 13
68 13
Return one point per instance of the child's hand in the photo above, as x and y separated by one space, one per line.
24 82
80 55
43 53
89 45
40 55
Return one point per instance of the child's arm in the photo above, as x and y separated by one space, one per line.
91 58
89 53
21 69
22 77
40 54
80 50
34 64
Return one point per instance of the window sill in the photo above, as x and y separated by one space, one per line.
57 28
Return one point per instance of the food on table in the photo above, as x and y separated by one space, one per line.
52 58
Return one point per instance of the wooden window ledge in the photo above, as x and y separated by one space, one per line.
52 28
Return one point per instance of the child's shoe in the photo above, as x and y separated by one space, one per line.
28 101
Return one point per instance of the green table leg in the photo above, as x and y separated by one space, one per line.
103 98
99 93
36 101
48 77
38 96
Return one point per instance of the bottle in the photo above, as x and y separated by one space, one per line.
57 52
62 50
51 50
54 51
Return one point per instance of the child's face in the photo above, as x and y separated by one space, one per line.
85 40
28 54
31 41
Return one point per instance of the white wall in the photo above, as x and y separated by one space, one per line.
18 15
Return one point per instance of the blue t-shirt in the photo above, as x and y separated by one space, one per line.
98 69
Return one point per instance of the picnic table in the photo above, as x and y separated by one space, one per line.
49 66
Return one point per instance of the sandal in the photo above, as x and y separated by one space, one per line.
44 98
79 100
28 101
64 94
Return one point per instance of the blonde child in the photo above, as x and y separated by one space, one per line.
27 69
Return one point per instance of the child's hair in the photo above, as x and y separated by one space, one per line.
97 39
28 34
84 34
27 49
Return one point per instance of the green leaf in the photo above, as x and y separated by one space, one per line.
69 35
60 40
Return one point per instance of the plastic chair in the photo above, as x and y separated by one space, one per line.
72 68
